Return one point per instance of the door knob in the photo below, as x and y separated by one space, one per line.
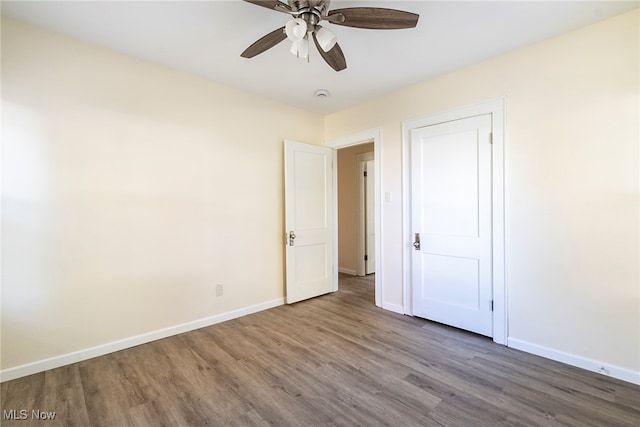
416 241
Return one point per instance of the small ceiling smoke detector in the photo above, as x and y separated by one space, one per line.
322 93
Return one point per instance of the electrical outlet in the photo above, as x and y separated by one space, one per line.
219 290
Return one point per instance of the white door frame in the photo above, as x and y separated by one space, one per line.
495 107
370 135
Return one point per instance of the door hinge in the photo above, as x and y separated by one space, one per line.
491 305
365 174
416 242
491 138
366 257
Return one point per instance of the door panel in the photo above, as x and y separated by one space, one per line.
310 175
460 275
451 211
450 183
308 221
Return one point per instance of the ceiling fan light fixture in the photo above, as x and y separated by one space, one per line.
326 39
303 26
300 48
296 29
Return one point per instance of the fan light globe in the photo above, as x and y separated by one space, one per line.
326 39
300 48
296 29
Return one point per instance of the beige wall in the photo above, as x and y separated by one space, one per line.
348 201
572 184
128 192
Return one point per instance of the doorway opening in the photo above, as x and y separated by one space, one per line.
360 289
356 214
373 138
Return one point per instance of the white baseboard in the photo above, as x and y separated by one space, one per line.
347 271
577 361
393 307
100 350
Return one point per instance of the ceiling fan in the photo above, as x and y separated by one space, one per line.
305 24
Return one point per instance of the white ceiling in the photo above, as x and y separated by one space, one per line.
206 38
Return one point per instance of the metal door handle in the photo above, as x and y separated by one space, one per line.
292 237
416 242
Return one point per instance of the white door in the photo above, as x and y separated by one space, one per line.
308 221
370 220
451 271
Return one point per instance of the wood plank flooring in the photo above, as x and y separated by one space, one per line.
336 360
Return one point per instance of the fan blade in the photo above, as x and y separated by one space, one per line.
374 18
264 43
335 57
269 4
337 18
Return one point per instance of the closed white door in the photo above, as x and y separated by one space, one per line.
451 271
308 221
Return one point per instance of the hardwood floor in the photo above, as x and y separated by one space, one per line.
335 360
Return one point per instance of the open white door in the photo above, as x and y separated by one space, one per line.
308 221
366 245
370 220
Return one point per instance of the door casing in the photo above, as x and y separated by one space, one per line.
495 107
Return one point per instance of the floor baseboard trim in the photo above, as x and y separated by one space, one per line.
577 361
100 350
393 307
347 271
